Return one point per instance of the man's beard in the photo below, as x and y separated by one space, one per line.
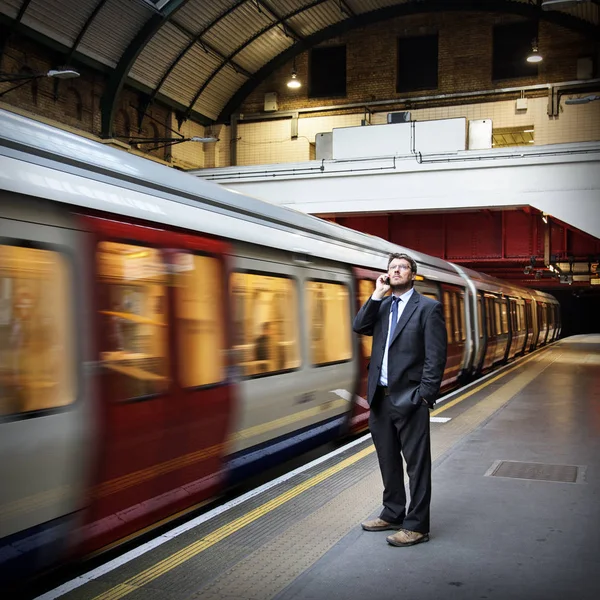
401 289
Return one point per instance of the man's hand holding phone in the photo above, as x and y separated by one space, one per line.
382 286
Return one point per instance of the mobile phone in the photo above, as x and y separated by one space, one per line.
386 280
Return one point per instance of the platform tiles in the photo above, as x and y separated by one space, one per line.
515 510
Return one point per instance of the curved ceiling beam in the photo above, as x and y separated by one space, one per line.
280 21
22 10
114 86
346 9
194 39
209 47
287 29
409 8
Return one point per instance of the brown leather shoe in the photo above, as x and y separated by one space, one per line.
404 537
379 525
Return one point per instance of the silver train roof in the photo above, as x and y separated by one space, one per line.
40 160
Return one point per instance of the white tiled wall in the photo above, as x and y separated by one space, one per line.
188 155
270 142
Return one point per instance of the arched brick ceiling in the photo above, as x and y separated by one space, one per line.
203 57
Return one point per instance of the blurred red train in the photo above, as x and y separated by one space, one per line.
162 337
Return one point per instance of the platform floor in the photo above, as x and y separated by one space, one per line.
526 528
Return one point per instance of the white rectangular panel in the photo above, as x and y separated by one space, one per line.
396 139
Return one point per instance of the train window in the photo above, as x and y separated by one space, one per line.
448 317
133 304
521 314
328 315
455 319
36 336
366 287
489 318
199 311
503 315
265 323
497 318
512 315
544 315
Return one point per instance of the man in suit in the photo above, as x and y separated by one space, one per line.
405 374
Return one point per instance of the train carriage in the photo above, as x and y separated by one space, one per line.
162 338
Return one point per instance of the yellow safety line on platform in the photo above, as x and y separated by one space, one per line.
466 395
213 538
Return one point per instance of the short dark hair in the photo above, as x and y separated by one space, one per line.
409 259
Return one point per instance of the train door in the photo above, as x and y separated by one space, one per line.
164 398
521 327
365 286
481 340
529 324
45 426
454 315
542 322
292 342
491 332
501 307
512 328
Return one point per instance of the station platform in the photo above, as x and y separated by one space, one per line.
515 509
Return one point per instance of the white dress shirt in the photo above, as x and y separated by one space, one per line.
404 298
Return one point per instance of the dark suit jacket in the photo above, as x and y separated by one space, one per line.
417 354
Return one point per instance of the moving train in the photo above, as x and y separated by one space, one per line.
162 338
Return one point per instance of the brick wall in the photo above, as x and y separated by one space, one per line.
75 103
465 60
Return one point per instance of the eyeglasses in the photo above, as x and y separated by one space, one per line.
400 267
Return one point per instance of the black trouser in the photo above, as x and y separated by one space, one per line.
393 435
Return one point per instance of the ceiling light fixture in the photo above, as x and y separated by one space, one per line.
294 82
21 79
534 56
56 73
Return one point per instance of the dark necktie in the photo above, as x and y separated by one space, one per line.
395 303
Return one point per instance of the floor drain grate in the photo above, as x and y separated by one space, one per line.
535 471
